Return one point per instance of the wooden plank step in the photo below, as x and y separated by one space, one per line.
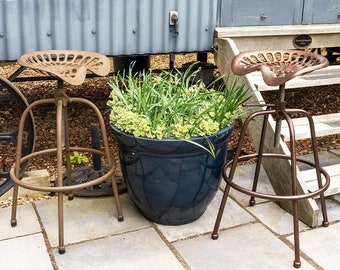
326 124
334 173
327 30
326 76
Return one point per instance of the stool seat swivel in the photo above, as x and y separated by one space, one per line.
71 67
277 67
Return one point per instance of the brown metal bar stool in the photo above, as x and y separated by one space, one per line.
277 67
71 67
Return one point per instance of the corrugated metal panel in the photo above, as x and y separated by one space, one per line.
112 27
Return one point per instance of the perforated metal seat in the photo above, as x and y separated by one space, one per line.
276 67
70 67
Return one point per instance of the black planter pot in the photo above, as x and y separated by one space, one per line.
171 181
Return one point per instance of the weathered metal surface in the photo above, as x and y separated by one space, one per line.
321 11
137 27
261 12
119 27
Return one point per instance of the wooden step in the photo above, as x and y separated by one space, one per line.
334 173
326 124
326 76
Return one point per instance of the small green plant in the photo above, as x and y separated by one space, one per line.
78 159
171 105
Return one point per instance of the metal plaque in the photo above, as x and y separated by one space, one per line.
302 41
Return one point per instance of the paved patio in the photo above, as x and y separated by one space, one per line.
257 237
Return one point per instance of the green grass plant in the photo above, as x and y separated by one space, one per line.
170 104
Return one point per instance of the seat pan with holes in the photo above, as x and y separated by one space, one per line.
69 65
277 67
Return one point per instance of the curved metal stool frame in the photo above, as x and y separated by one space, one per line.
70 66
277 67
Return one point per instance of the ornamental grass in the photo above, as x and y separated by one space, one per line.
172 104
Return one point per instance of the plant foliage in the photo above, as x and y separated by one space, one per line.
78 159
170 104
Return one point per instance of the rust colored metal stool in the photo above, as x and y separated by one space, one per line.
277 67
71 67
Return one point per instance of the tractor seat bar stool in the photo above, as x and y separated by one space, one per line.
71 67
277 67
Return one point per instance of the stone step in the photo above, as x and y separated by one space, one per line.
37 178
334 173
326 124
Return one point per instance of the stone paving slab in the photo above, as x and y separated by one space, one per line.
336 197
246 247
89 218
27 222
275 218
322 245
257 237
142 249
233 215
34 178
333 210
28 252
244 177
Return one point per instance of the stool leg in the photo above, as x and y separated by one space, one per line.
17 162
259 159
297 261
214 235
60 175
15 186
14 205
61 248
66 137
110 164
325 222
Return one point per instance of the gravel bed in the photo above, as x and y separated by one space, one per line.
317 100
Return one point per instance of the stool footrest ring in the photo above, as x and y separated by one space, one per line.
275 197
65 189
